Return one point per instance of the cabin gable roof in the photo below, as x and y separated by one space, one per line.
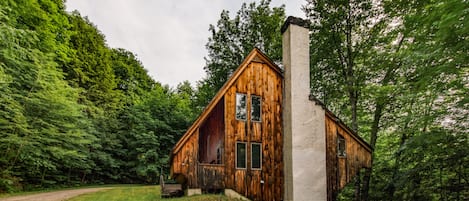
254 56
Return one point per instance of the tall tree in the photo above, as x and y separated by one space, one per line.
43 127
400 71
255 25
73 110
344 34
435 81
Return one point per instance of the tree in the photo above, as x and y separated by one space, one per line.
131 77
41 121
344 35
154 125
394 60
435 81
232 39
73 110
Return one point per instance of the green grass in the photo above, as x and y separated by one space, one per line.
141 193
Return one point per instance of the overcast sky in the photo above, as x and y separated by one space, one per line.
168 36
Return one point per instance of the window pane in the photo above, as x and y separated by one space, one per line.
255 108
256 155
241 106
240 155
219 151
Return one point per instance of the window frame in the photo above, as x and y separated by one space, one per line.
260 155
245 155
341 153
260 108
245 107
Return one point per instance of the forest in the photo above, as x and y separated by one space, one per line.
74 111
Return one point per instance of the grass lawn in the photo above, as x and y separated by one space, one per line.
141 193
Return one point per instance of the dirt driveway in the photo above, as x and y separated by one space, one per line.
53 196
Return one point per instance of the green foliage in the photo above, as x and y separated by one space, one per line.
255 25
74 111
42 123
406 64
158 122
343 34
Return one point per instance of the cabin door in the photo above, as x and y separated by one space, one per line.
249 162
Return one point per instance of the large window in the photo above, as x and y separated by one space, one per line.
341 146
241 155
256 108
256 156
241 106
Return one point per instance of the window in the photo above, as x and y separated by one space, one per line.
256 155
241 106
240 155
256 108
341 146
219 151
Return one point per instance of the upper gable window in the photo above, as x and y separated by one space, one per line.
341 146
256 108
241 106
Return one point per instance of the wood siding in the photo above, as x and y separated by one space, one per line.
266 184
256 76
184 163
342 169
211 135
211 176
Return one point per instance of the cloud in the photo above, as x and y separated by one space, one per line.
168 37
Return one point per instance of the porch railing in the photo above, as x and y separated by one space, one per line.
211 176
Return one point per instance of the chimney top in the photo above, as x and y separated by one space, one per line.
296 21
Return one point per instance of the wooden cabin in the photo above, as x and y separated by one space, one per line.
236 143
244 140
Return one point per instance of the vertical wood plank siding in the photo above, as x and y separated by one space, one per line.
211 176
211 134
260 79
185 162
341 170
266 184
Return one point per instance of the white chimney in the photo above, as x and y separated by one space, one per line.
304 148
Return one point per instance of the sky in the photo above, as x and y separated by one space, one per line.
168 36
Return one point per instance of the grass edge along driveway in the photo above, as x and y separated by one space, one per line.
142 193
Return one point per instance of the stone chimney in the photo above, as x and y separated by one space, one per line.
304 148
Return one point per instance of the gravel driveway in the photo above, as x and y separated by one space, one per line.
53 196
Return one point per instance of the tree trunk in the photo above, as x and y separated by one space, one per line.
366 181
392 189
350 76
357 186
374 136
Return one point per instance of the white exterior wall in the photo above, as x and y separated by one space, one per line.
304 123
